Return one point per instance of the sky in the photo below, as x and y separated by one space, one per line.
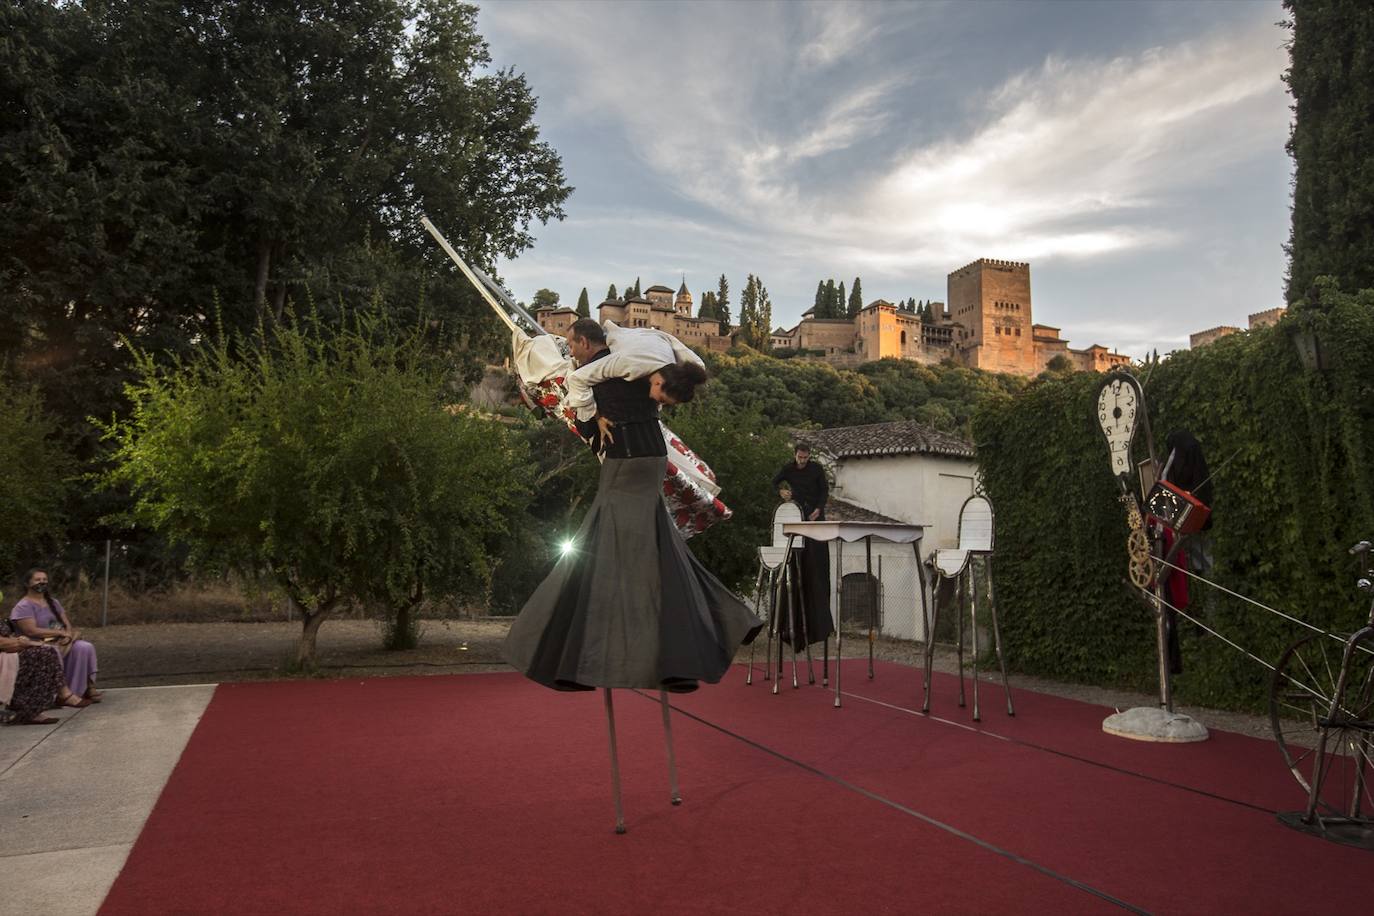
1131 152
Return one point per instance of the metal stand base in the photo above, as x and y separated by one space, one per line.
1150 723
1357 832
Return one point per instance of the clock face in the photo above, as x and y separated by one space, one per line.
1118 407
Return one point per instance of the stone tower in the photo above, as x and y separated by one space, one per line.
990 300
682 304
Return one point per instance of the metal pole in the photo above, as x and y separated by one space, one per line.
675 796
615 764
105 593
872 601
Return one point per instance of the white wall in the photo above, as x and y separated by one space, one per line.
919 489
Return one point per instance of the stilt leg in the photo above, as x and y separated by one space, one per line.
921 597
676 796
959 641
615 764
825 662
997 640
772 623
806 638
973 616
836 594
930 643
872 601
758 599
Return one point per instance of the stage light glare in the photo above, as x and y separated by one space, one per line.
568 546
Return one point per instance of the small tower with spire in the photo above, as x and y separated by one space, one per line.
682 303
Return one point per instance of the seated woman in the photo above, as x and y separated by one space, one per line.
37 682
39 616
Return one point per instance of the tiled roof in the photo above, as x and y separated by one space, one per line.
837 510
659 288
902 437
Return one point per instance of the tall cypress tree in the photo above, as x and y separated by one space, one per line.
1331 77
611 293
584 305
832 298
841 300
723 305
819 305
856 298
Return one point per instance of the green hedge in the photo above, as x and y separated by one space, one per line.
1296 492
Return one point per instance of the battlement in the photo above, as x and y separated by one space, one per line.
996 264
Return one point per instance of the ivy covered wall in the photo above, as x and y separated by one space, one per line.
1292 451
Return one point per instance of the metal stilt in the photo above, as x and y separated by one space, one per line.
615 764
973 626
872 601
758 598
930 645
772 623
997 638
806 637
959 642
676 796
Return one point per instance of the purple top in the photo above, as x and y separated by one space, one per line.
39 612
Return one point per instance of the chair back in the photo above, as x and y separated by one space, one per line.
785 512
975 525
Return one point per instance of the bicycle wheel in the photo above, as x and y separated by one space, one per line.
1301 699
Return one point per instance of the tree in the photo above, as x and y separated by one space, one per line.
744 452
841 302
637 292
34 470
832 299
611 294
755 314
584 305
856 299
723 305
1331 77
248 154
545 298
707 309
819 305
326 458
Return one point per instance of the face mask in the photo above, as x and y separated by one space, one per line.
41 588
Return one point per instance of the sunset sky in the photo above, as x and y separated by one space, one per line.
1131 152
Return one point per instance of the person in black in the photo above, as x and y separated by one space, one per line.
807 483
628 605
803 481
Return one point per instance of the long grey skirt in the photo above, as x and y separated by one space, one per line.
629 605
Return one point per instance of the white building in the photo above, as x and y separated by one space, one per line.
892 472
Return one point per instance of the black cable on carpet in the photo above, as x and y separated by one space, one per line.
911 812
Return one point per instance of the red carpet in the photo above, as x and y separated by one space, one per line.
485 793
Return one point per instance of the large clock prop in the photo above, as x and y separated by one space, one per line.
1120 410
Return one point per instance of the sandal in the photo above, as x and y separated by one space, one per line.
36 720
74 702
93 695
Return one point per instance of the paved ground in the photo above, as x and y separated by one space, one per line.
74 796
192 653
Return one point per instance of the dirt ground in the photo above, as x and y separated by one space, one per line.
143 655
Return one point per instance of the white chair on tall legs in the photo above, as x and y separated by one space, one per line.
958 563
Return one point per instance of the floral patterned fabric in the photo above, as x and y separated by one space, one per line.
689 485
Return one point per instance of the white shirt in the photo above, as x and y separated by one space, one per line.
635 353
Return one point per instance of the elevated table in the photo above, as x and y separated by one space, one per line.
849 532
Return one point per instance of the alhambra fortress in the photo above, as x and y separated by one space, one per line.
985 325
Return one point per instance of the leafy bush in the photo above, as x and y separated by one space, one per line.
328 458
1290 451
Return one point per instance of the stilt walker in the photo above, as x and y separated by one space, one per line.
627 604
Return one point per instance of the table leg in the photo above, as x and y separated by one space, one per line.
872 601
